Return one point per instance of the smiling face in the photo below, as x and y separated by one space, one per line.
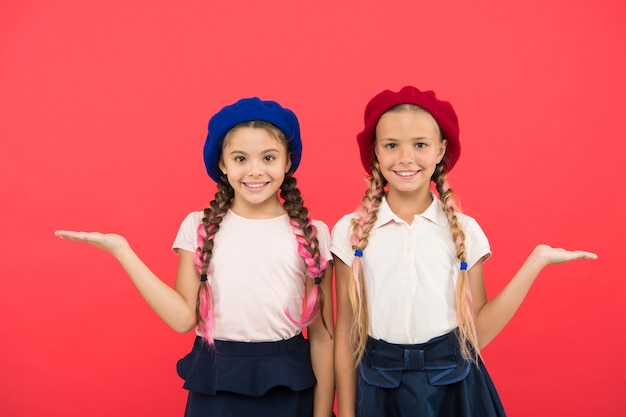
408 147
255 160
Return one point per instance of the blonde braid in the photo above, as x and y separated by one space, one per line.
361 228
465 316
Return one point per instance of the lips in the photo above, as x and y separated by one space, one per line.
406 174
255 186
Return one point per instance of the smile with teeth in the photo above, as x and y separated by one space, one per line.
255 185
406 173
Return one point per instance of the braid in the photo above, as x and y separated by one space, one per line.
207 230
308 248
361 228
465 317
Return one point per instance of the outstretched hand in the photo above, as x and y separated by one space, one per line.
112 243
549 256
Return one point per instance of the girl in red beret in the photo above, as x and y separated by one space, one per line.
244 264
412 310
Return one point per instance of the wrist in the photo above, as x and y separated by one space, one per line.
537 259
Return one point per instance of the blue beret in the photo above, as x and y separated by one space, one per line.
245 110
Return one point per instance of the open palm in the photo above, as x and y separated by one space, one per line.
550 255
109 242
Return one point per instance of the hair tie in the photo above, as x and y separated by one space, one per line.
318 280
203 278
358 252
463 266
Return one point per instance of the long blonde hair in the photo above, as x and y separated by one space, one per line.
362 226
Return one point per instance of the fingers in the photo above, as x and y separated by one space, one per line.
548 255
581 254
562 256
78 236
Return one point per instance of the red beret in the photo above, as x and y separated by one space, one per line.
442 112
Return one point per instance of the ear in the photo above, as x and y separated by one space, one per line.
442 150
222 167
288 163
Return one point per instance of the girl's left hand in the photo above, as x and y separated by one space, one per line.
548 255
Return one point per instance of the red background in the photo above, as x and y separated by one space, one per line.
103 114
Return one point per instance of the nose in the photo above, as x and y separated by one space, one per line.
254 168
405 154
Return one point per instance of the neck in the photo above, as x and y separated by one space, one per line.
267 210
407 205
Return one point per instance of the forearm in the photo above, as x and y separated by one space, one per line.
345 370
166 302
496 313
345 375
322 360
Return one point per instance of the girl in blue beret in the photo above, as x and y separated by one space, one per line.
412 310
244 264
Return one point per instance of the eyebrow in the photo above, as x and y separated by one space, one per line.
269 150
392 139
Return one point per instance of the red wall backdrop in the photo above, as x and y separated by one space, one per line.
103 112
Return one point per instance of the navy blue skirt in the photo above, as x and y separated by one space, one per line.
256 379
424 380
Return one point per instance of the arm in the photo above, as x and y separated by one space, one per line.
345 370
491 316
322 349
176 306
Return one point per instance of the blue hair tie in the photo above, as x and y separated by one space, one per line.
463 266
358 252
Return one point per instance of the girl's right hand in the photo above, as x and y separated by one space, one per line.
547 255
112 243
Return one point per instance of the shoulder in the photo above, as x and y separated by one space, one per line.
193 218
320 226
468 222
344 224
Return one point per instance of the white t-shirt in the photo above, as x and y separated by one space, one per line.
411 271
257 274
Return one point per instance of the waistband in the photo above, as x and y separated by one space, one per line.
247 368
230 348
440 358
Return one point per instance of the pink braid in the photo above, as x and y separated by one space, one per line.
206 235
205 295
315 268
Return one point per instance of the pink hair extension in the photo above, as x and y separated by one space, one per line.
311 309
199 258
205 295
315 268
205 308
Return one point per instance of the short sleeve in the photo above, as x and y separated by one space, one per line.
340 240
476 242
323 238
187 237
